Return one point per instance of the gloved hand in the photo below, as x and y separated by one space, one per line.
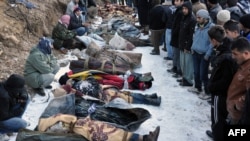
206 57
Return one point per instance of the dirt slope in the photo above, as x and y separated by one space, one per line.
20 29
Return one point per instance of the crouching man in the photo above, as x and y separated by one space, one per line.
13 101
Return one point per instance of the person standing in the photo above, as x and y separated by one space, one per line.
169 17
176 69
238 87
245 26
201 51
186 32
157 28
41 66
213 8
232 29
224 68
13 102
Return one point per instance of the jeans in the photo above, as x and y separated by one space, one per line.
15 123
176 59
139 98
200 70
81 31
47 79
186 63
167 41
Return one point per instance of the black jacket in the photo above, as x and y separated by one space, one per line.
224 68
156 18
187 26
75 22
7 102
176 27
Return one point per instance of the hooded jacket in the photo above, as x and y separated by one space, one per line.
36 64
187 26
201 43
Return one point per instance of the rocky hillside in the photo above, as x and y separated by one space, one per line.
21 27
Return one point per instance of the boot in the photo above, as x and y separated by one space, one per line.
152 136
39 91
154 101
153 95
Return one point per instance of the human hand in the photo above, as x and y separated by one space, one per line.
206 57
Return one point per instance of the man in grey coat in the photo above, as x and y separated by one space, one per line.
41 66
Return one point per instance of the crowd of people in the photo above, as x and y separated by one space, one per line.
208 42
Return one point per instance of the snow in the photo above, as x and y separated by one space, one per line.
182 116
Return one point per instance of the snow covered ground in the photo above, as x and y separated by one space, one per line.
182 116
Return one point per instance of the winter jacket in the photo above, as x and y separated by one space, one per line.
235 13
169 15
75 22
60 34
223 70
201 43
176 27
236 90
213 12
156 18
187 26
7 102
36 64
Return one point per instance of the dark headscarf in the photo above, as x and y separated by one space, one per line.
44 45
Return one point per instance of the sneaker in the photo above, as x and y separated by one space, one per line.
210 134
194 90
173 70
155 52
4 137
209 102
176 75
185 83
179 80
204 96
39 91
164 49
167 58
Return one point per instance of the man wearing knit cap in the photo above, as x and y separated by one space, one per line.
245 26
214 7
201 52
13 101
63 38
223 16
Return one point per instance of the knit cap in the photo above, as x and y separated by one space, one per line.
203 14
245 20
223 16
15 82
